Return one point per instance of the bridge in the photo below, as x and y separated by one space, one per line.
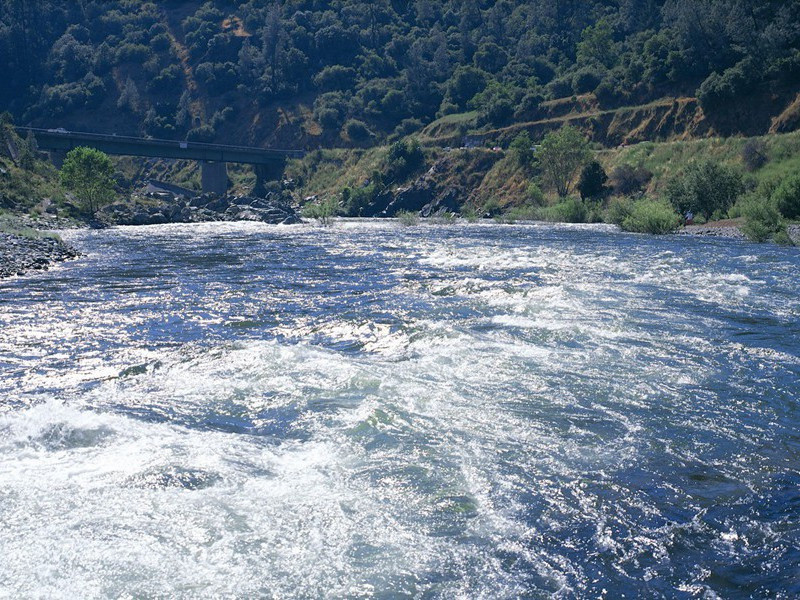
268 164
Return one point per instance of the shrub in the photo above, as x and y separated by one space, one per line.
137 53
706 188
570 210
534 194
618 210
323 212
330 110
404 158
593 179
522 149
357 130
408 126
762 219
465 83
560 88
407 218
586 80
787 197
717 90
204 133
783 238
335 77
651 216
754 155
628 180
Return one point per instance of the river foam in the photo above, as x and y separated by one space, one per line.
377 412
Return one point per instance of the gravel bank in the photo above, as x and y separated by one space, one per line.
727 232
21 254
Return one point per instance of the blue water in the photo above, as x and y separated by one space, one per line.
378 411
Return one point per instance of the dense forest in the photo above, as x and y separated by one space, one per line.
370 70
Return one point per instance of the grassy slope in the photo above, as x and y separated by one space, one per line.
489 176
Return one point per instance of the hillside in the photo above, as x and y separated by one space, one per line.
349 73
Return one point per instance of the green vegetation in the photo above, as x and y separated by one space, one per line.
11 226
373 68
706 188
762 220
560 155
408 218
89 173
651 216
323 212
787 197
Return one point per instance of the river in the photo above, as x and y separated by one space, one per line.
378 411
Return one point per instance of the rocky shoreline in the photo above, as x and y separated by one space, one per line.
21 253
159 207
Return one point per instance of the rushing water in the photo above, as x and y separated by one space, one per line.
372 411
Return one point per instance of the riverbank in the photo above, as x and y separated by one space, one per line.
23 249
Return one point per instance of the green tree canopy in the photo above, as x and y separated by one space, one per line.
560 156
89 174
706 188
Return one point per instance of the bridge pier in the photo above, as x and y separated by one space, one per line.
269 172
214 177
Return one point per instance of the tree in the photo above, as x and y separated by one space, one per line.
89 174
129 97
522 149
706 188
560 156
787 197
593 181
597 45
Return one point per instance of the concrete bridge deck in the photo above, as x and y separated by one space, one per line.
213 157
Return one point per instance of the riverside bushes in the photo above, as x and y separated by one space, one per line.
762 219
651 216
787 197
706 188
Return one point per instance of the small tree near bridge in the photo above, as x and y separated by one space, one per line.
89 174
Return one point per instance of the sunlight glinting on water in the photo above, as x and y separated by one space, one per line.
376 411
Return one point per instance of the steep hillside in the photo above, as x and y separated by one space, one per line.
356 73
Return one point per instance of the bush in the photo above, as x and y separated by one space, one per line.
323 212
570 210
534 194
586 80
335 77
762 220
787 197
465 83
651 216
618 210
407 218
357 130
136 53
204 133
522 149
754 155
717 90
408 126
707 188
404 158
593 179
627 180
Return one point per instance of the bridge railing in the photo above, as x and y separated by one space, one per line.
151 142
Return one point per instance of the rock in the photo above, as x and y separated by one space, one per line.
448 202
412 198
